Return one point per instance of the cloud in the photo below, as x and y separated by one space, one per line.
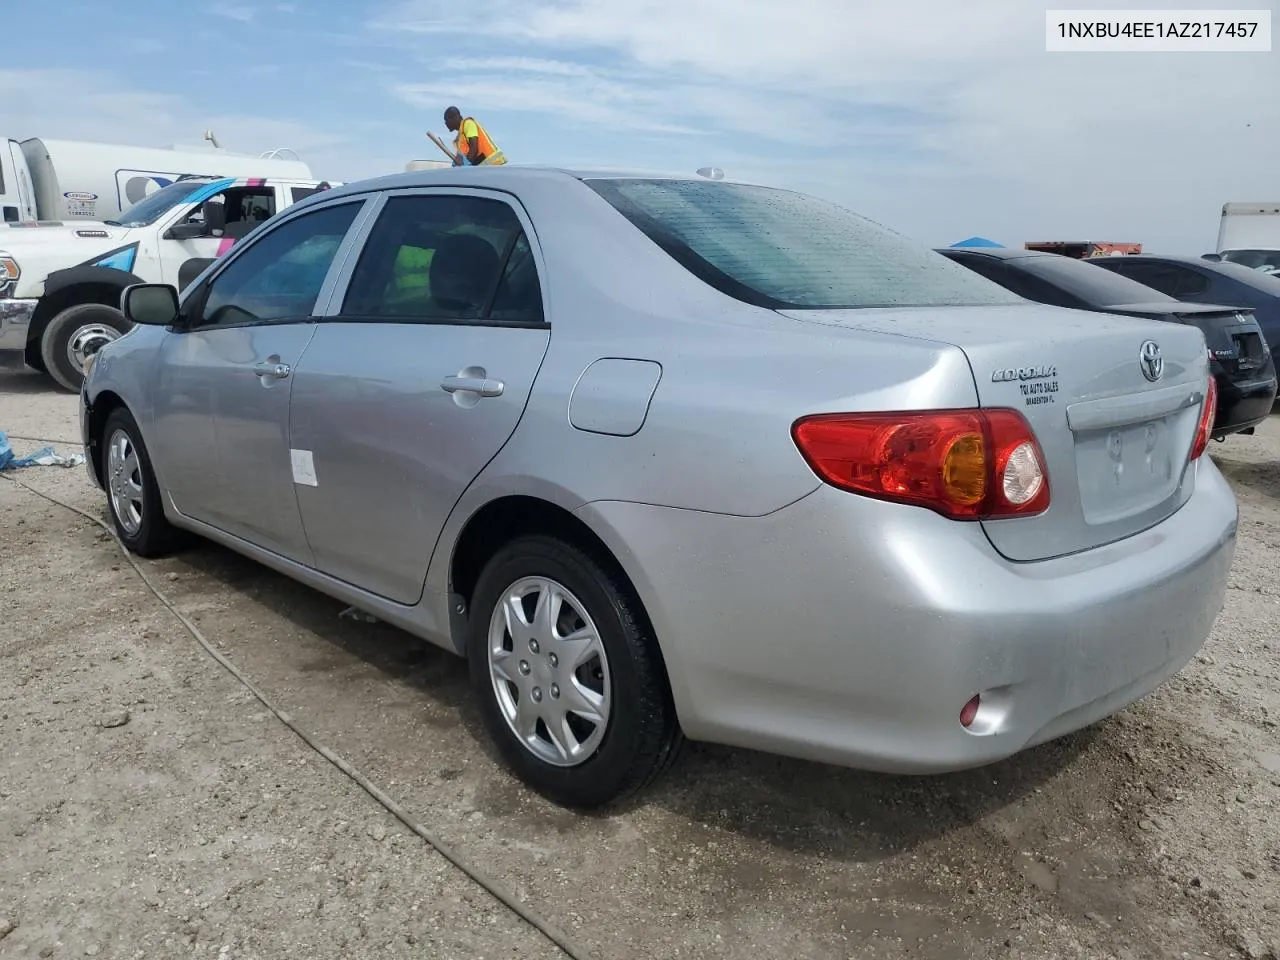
941 117
241 14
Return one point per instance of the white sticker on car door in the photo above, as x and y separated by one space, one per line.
304 468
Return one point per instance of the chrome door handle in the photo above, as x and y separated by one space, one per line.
276 371
480 386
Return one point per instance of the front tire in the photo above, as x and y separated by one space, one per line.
133 497
568 674
73 336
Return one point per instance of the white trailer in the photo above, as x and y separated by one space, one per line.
1249 234
70 180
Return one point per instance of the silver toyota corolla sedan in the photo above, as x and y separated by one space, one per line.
672 457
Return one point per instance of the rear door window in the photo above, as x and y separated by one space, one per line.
783 250
444 258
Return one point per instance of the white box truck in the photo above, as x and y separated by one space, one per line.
1249 234
70 180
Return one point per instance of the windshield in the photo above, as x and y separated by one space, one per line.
1268 261
1099 288
151 208
777 249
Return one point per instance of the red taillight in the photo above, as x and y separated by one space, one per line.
1208 413
965 464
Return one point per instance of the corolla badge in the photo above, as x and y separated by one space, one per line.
1150 360
1024 373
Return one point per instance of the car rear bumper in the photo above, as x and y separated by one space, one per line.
15 323
849 631
1243 404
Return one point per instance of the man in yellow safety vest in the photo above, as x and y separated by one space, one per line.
471 142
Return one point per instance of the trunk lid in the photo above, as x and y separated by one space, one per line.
1231 333
1115 441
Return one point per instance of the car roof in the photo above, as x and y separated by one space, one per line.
509 175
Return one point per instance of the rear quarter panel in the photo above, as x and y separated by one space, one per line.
734 378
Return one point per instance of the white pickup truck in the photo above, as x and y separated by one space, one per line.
60 283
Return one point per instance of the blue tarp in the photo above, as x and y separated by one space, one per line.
978 242
44 457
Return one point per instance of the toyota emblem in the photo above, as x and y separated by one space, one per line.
1151 361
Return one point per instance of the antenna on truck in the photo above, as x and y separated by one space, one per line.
208 135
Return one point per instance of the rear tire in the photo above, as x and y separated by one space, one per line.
133 497
541 682
73 335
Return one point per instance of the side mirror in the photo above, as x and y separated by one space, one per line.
150 304
186 231
1211 257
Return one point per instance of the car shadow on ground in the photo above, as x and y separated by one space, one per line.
804 807
20 380
1262 477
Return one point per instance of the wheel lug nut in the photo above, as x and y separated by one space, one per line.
555 691
537 694
524 667
533 646
555 661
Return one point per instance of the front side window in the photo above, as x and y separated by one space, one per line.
446 258
243 209
279 277
777 249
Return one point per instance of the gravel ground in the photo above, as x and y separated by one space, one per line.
150 807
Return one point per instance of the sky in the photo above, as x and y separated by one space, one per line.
940 119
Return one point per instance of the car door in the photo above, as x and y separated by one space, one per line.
415 380
222 393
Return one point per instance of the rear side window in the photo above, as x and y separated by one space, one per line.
777 249
446 258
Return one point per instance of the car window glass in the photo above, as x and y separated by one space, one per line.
244 208
778 249
441 258
519 295
1190 283
279 277
1155 275
1031 287
1083 282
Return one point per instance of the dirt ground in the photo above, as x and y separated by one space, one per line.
150 807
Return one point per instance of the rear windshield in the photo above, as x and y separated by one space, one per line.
777 249
1100 288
